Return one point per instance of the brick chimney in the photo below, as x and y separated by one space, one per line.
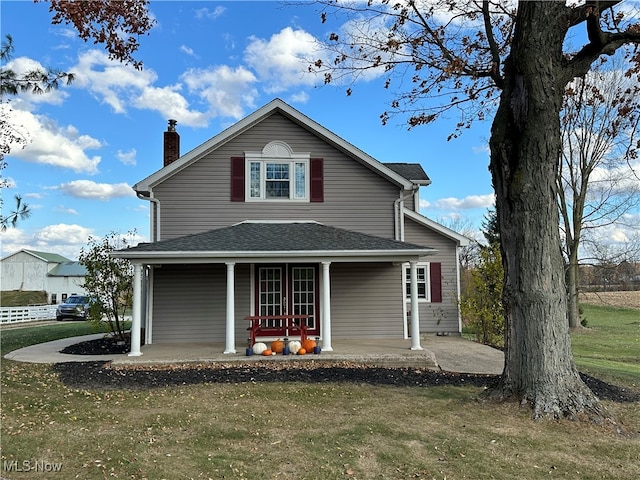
171 144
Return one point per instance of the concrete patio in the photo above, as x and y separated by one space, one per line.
446 353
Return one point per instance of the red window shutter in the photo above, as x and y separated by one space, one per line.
317 180
435 275
237 179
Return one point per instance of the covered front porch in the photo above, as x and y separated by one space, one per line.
233 258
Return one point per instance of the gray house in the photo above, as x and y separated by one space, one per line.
278 223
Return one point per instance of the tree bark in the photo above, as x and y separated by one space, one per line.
525 143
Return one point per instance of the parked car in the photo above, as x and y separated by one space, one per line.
75 307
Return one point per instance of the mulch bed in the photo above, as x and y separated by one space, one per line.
92 375
100 346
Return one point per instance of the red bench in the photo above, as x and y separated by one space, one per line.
293 325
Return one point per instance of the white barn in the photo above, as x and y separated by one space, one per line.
30 270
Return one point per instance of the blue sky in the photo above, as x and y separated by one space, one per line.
206 64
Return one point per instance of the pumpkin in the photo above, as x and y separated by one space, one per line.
308 345
302 351
259 348
277 346
267 353
294 346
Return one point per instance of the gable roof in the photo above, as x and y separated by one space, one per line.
68 269
44 256
279 106
250 240
411 171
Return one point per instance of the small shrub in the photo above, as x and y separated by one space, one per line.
481 304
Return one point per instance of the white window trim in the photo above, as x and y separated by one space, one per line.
277 152
405 272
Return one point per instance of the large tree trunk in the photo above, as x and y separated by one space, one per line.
525 143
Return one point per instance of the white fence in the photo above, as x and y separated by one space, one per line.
27 314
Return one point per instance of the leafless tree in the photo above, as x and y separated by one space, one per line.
597 184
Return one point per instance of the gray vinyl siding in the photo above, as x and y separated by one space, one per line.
437 317
197 198
366 301
189 303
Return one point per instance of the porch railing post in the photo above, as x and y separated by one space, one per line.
136 315
415 314
326 308
230 344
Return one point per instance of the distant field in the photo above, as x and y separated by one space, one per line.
612 299
16 298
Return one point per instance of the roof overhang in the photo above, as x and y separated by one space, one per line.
273 257
289 242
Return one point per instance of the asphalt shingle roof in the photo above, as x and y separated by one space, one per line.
410 171
277 237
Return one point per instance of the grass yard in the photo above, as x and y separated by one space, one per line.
310 431
609 348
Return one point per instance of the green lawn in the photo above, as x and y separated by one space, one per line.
18 337
609 348
307 431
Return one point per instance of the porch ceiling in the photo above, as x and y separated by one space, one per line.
258 241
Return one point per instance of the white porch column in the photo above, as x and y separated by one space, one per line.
326 308
415 313
230 346
136 320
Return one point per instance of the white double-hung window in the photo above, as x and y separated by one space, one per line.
422 271
277 174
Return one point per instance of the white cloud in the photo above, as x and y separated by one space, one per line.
93 190
113 82
170 104
189 51
207 13
51 144
300 97
63 234
63 209
282 62
618 235
227 90
36 195
472 201
127 158
61 238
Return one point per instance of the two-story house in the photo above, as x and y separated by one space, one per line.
277 216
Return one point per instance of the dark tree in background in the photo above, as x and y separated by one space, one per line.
483 58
